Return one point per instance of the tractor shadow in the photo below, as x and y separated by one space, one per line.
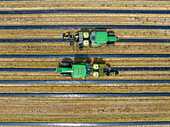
77 59
101 30
90 30
66 60
84 30
100 61
85 59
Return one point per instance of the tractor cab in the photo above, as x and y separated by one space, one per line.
100 38
80 70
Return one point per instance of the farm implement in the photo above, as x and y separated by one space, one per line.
92 39
83 70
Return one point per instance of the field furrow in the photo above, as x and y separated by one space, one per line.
69 4
85 88
114 62
85 19
85 109
65 48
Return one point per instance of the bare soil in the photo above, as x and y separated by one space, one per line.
84 109
65 48
85 88
85 19
87 4
114 62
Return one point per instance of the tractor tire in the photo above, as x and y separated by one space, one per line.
111 34
65 74
65 64
110 44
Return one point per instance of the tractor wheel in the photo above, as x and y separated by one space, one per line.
110 44
65 64
111 34
65 75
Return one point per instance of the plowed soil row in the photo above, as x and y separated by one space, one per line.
88 4
85 109
52 34
85 19
65 48
84 88
114 62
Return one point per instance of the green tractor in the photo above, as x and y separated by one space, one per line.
92 39
83 70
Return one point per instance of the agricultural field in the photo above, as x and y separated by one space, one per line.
31 48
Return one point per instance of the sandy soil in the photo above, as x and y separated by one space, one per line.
65 48
81 4
114 62
84 109
85 19
84 88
